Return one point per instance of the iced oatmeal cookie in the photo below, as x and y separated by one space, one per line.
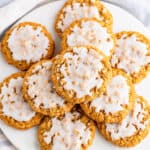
89 32
80 73
27 43
14 110
69 132
132 54
39 92
77 9
115 103
133 129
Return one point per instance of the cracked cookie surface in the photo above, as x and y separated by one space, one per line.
89 32
77 9
132 54
115 103
14 110
27 43
80 74
134 127
70 132
39 92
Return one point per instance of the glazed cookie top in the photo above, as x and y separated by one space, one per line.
116 96
68 132
78 9
28 43
12 101
89 32
136 120
132 52
81 71
40 88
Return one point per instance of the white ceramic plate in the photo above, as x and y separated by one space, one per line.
27 140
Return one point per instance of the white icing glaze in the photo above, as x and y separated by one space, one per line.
67 134
82 72
75 12
13 102
91 33
28 44
40 86
117 95
130 54
130 125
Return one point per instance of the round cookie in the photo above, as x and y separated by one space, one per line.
80 74
115 103
27 43
77 9
132 54
39 92
14 110
71 131
133 129
89 32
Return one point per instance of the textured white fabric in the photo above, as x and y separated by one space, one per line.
15 10
4 143
139 8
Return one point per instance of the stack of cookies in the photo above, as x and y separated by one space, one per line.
89 83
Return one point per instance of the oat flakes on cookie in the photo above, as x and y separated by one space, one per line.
77 9
14 110
80 74
73 131
115 103
132 54
39 92
27 43
133 129
89 32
